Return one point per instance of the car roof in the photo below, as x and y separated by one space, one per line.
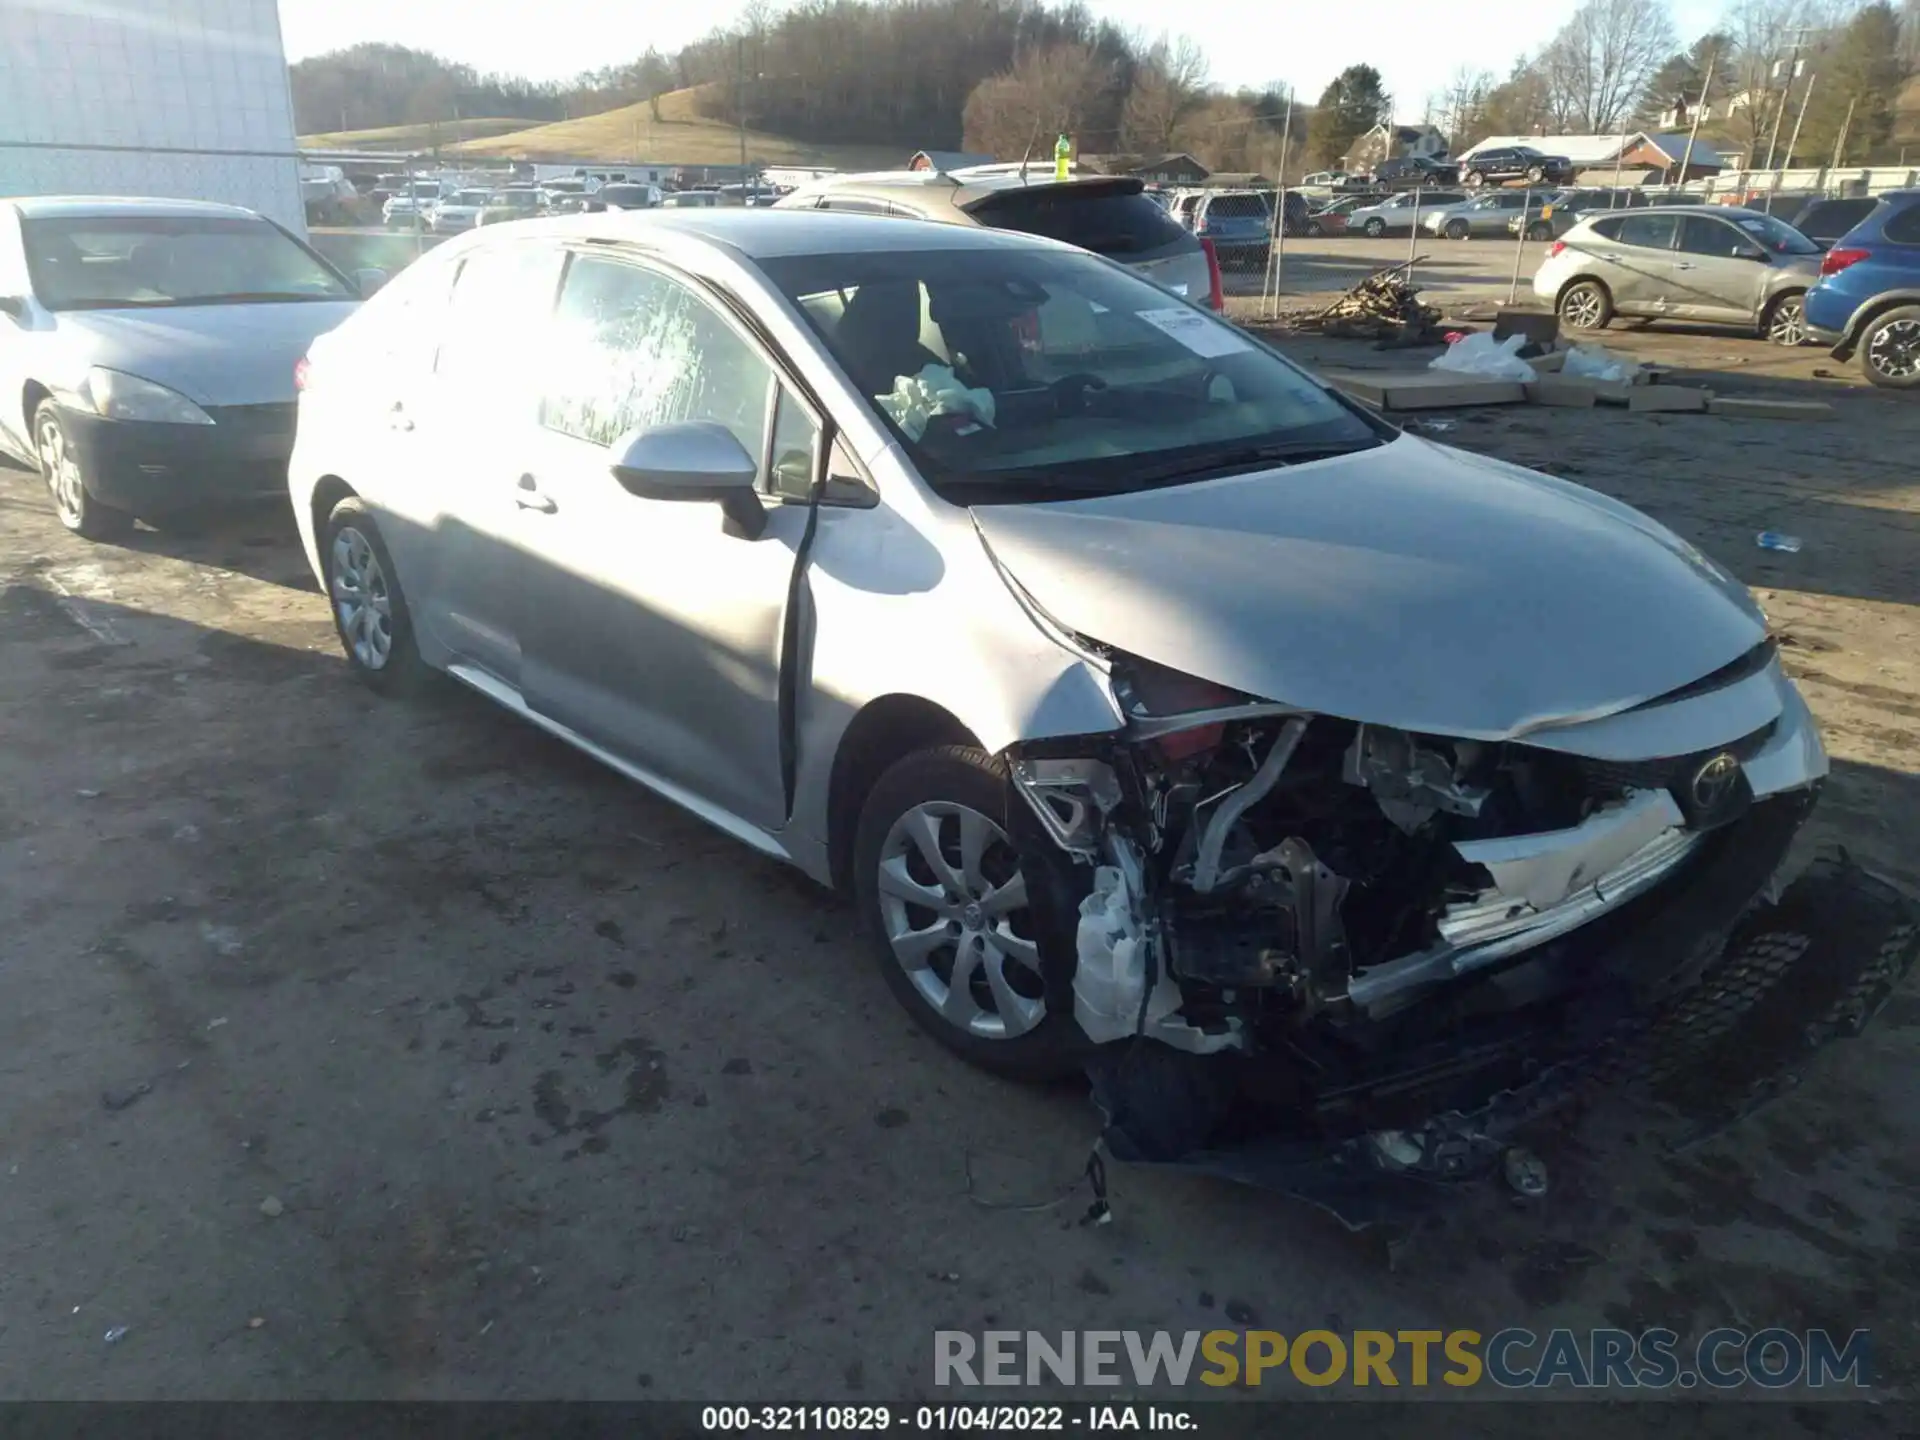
1725 212
771 233
94 207
958 187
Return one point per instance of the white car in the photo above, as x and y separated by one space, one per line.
1142 690
459 211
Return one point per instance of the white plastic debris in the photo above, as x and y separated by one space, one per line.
1596 362
1483 355
1111 976
916 399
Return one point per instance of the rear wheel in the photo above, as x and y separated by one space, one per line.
1458 229
1785 322
1890 348
1586 305
369 609
945 898
1540 230
60 467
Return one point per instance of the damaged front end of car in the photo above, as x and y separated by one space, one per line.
1327 938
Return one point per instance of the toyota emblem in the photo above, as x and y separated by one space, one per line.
1714 781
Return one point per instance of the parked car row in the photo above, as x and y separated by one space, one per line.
692 490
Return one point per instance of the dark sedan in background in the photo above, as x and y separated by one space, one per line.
1502 163
148 349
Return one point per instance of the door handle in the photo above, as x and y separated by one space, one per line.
529 497
1683 265
397 418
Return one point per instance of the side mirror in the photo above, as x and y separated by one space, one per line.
692 460
369 280
1751 253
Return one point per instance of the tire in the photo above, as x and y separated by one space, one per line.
1540 230
73 500
1314 231
960 790
1586 305
369 608
1890 348
1458 230
1785 322
1474 179
1374 228
1535 175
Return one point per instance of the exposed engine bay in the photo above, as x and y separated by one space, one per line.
1349 915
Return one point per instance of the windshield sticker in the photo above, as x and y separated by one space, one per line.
1202 336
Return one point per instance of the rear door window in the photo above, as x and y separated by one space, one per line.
1120 224
1649 232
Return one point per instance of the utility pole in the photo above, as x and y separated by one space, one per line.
1840 145
1706 88
1786 161
1786 94
740 94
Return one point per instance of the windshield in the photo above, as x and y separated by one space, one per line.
1777 235
1011 374
126 261
624 194
471 197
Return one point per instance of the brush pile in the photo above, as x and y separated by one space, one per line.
1385 306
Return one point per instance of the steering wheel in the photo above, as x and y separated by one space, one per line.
1070 391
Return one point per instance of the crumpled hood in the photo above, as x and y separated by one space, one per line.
1411 585
212 354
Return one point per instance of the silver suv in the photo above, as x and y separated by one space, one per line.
1109 215
1683 262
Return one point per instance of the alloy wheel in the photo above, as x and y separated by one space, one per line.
62 473
1788 323
1894 350
1581 308
362 601
954 905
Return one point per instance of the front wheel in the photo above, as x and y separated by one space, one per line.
1475 179
1539 230
1374 228
369 609
1535 174
1457 229
73 503
1786 321
1586 306
1890 349
945 897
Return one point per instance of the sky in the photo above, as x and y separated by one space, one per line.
1415 45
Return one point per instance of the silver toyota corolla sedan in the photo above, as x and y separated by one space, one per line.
147 351
1135 683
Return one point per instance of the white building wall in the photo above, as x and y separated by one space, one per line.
95 94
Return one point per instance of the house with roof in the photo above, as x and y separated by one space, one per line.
1394 142
1637 154
1178 168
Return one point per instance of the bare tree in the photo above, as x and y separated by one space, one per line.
1462 107
1602 60
1168 83
1763 33
1047 92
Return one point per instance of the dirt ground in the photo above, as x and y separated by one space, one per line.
365 1049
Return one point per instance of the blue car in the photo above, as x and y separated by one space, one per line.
1867 300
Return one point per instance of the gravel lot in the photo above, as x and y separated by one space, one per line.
356 1048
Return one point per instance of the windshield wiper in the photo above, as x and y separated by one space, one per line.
1297 452
255 297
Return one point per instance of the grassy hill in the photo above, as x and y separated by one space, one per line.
680 136
411 137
